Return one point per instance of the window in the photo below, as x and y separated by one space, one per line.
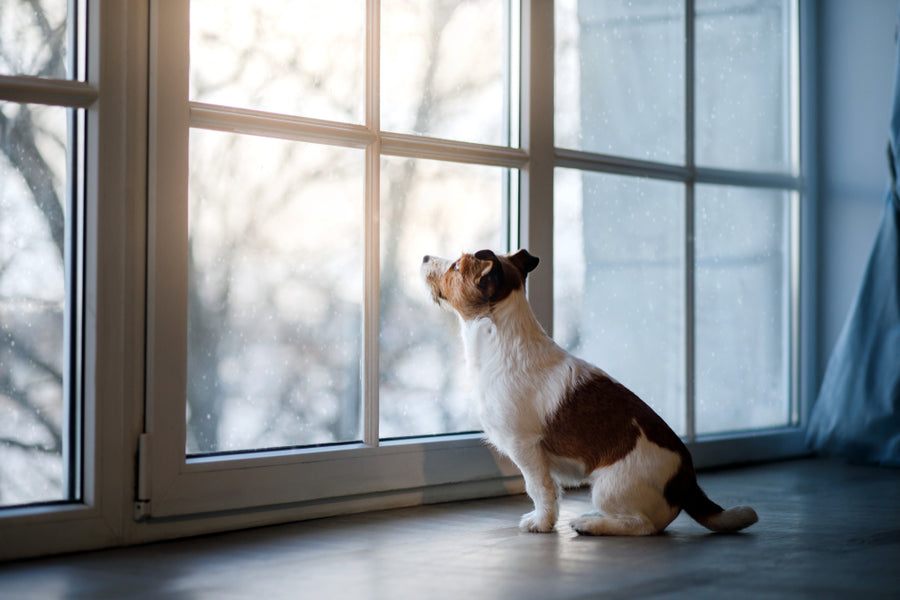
676 204
276 284
308 156
41 183
234 332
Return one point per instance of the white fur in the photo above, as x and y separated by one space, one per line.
732 519
521 376
629 493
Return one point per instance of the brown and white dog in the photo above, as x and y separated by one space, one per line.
561 420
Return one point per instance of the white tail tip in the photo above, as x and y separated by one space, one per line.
733 519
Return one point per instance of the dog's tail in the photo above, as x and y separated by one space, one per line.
697 504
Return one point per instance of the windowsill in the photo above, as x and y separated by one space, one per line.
465 549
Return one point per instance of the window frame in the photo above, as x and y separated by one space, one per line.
128 451
112 278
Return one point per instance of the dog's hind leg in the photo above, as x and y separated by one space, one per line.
634 512
591 524
627 504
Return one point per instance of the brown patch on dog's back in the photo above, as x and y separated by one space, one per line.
599 423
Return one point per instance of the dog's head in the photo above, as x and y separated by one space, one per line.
474 282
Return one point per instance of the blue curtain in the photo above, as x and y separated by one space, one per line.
857 413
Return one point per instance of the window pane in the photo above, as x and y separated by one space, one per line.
620 78
303 58
275 293
33 38
743 84
619 282
441 209
742 308
33 301
443 65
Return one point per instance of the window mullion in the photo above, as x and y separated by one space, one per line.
285 127
537 137
53 92
689 308
620 165
689 274
371 302
418 146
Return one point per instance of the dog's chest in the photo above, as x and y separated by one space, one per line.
518 381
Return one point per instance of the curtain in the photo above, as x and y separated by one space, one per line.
857 413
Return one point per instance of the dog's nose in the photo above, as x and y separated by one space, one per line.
426 258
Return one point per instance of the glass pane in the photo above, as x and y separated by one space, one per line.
743 84
443 65
619 282
442 209
34 38
303 58
620 78
742 308
275 293
33 301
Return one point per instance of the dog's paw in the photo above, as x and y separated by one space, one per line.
585 524
535 522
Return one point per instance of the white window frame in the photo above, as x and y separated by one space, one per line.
112 297
136 218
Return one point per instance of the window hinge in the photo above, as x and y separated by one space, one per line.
142 499
141 510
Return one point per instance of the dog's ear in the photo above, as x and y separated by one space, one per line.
489 264
525 262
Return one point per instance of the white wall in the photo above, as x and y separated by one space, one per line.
855 81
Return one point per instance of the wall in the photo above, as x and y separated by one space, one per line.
855 81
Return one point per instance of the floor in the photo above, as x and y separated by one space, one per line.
826 530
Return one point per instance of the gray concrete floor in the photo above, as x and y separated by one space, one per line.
826 530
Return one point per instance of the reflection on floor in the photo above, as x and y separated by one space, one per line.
826 530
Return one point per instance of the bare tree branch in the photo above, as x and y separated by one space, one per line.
12 443
26 353
54 38
17 395
17 142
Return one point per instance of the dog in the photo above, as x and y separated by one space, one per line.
561 420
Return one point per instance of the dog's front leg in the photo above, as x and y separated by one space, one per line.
542 490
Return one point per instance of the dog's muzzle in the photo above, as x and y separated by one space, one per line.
432 269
